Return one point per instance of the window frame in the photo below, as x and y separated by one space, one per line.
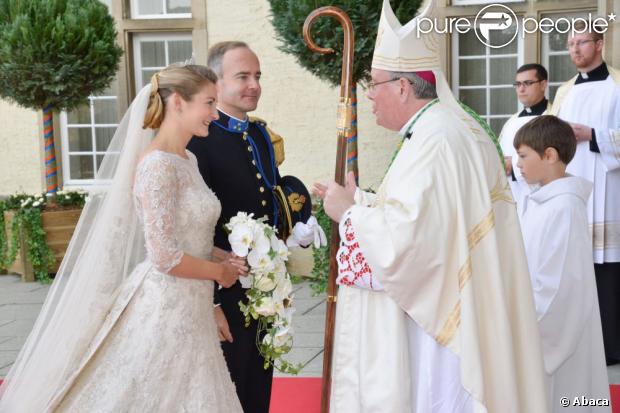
68 181
135 13
455 73
159 36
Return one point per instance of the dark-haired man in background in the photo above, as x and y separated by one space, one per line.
530 85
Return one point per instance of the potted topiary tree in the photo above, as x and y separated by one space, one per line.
288 18
53 55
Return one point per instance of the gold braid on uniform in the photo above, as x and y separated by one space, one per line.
287 227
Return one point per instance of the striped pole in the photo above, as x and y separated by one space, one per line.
352 136
51 177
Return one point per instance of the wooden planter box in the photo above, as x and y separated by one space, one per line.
58 227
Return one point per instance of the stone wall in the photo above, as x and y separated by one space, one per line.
20 150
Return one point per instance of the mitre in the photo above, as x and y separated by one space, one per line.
406 48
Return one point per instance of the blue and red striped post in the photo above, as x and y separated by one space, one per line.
352 136
51 172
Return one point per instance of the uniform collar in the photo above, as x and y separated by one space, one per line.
232 123
594 75
535 110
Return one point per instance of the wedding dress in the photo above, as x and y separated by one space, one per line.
116 332
158 349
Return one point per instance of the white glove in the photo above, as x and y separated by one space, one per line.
305 234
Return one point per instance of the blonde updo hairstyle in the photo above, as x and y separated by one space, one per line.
186 80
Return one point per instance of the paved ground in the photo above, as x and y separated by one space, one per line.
20 304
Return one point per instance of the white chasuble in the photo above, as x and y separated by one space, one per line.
597 104
455 328
557 241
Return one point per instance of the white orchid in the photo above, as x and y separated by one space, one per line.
268 339
240 239
283 290
36 203
270 291
285 317
239 219
266 307
281 250
283 337
264 283
261 243
260 261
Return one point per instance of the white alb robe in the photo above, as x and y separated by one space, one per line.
519 188
557 243
597 105
453 328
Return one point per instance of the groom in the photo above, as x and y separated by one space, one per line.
238 161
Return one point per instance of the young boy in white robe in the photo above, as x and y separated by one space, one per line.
558 247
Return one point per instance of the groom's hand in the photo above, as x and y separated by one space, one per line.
223 330
219 255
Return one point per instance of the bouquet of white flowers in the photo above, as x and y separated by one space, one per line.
270 290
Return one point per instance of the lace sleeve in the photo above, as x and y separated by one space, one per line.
353 270
155 189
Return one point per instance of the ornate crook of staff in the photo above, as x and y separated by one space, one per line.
344 126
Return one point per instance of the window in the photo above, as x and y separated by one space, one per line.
86 133
470 2
161 9
482 77
153 52
555 55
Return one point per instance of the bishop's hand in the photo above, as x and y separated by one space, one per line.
337 198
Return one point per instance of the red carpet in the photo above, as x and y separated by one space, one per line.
296 394
303 395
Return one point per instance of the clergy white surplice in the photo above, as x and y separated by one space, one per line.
557 243
597 105
519 188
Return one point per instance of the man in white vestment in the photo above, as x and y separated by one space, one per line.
434 309
530 85
590 102
557 245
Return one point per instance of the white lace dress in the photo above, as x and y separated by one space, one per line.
158 350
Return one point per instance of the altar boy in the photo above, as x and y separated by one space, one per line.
558 247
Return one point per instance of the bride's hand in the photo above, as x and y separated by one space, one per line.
230 274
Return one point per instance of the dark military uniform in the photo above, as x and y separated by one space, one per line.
237 161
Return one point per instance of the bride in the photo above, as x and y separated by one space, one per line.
128 323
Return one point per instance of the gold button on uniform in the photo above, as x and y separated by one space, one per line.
262 189
249 149
258 176
253 162
264 203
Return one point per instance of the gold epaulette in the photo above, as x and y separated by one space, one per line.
276 140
